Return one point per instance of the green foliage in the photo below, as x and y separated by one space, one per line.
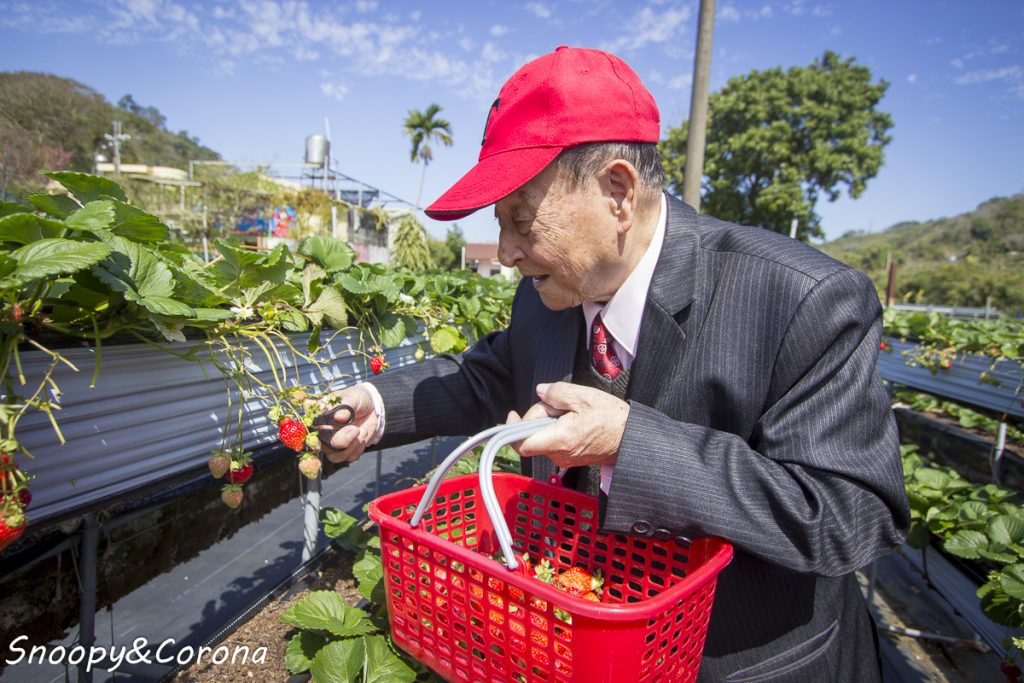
940 339
968 419
967 260
411 249
62 114
777 140
341 643
978 523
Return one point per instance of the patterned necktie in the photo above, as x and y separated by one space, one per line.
602 355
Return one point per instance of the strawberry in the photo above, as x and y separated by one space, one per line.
292 434
12 525
240 472
577 581
883 346
539 638
231 495
219 464
592 596
378 364
309 465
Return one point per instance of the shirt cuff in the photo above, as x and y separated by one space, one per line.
378 407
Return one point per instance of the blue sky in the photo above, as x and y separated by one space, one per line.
253 78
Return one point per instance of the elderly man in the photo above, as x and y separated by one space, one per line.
709 379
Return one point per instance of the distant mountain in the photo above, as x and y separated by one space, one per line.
61 119
958 261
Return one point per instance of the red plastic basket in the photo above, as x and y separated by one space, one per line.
470 618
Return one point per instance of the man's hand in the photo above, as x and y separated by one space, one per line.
589 428
345 443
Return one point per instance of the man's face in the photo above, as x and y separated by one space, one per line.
565 239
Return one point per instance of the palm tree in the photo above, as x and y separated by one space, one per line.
422 128
411 247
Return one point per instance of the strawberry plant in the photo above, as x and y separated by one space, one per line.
89 266
981 524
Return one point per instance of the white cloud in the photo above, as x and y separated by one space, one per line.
681 82
498 30
957 63
1011 76
912 78
491 53
729 13
335 90
651 26
539 10
366 5
466 44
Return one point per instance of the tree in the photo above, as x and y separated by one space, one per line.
447 253
22 156
778 139
411 248
422 128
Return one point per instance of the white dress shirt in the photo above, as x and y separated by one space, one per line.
623 313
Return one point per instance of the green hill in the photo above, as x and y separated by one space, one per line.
48 121
958 261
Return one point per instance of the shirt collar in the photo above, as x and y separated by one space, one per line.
623 312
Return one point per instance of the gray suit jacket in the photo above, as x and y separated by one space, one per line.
756 415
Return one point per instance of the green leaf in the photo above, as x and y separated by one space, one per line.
142 277
965 543
445 339
340 661
1012 580
1006 530
310 274
292 320
10 208
24 228
58 205
997 556
369 572
331 304
137 225
382 665
302 649
96 215
330 254
56 256
971 510
211 314
344 528
932 478
325 611
392 330
86 187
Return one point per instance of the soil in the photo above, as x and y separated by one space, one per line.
265 629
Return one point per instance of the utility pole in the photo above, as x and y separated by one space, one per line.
693 170
115 141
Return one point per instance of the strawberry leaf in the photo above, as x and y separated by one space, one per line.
330 254
57 205
10 208
1012 580
965 543
302 649
96 215
24 228
341 660
85 187
49 257
381 665
326 612
331 305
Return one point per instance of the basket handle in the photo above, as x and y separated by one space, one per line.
499 436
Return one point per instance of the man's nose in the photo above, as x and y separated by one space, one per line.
509 253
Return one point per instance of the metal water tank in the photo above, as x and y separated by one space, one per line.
318 148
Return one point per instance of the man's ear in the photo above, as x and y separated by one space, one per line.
619 185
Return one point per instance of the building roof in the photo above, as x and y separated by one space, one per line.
481 251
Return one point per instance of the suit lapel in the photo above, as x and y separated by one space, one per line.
669 314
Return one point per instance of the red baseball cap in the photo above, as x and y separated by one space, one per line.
570 96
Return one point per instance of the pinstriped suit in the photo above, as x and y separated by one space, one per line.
755 415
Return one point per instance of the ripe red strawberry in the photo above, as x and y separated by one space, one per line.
219 464
577 581
292 434
231 495
883 346
309 465
240 472
378 364
539 638
592 596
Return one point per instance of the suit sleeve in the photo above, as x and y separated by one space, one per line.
819 487
450 395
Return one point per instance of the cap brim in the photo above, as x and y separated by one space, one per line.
491 179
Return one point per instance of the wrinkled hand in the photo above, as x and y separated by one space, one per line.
589 428
345 443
